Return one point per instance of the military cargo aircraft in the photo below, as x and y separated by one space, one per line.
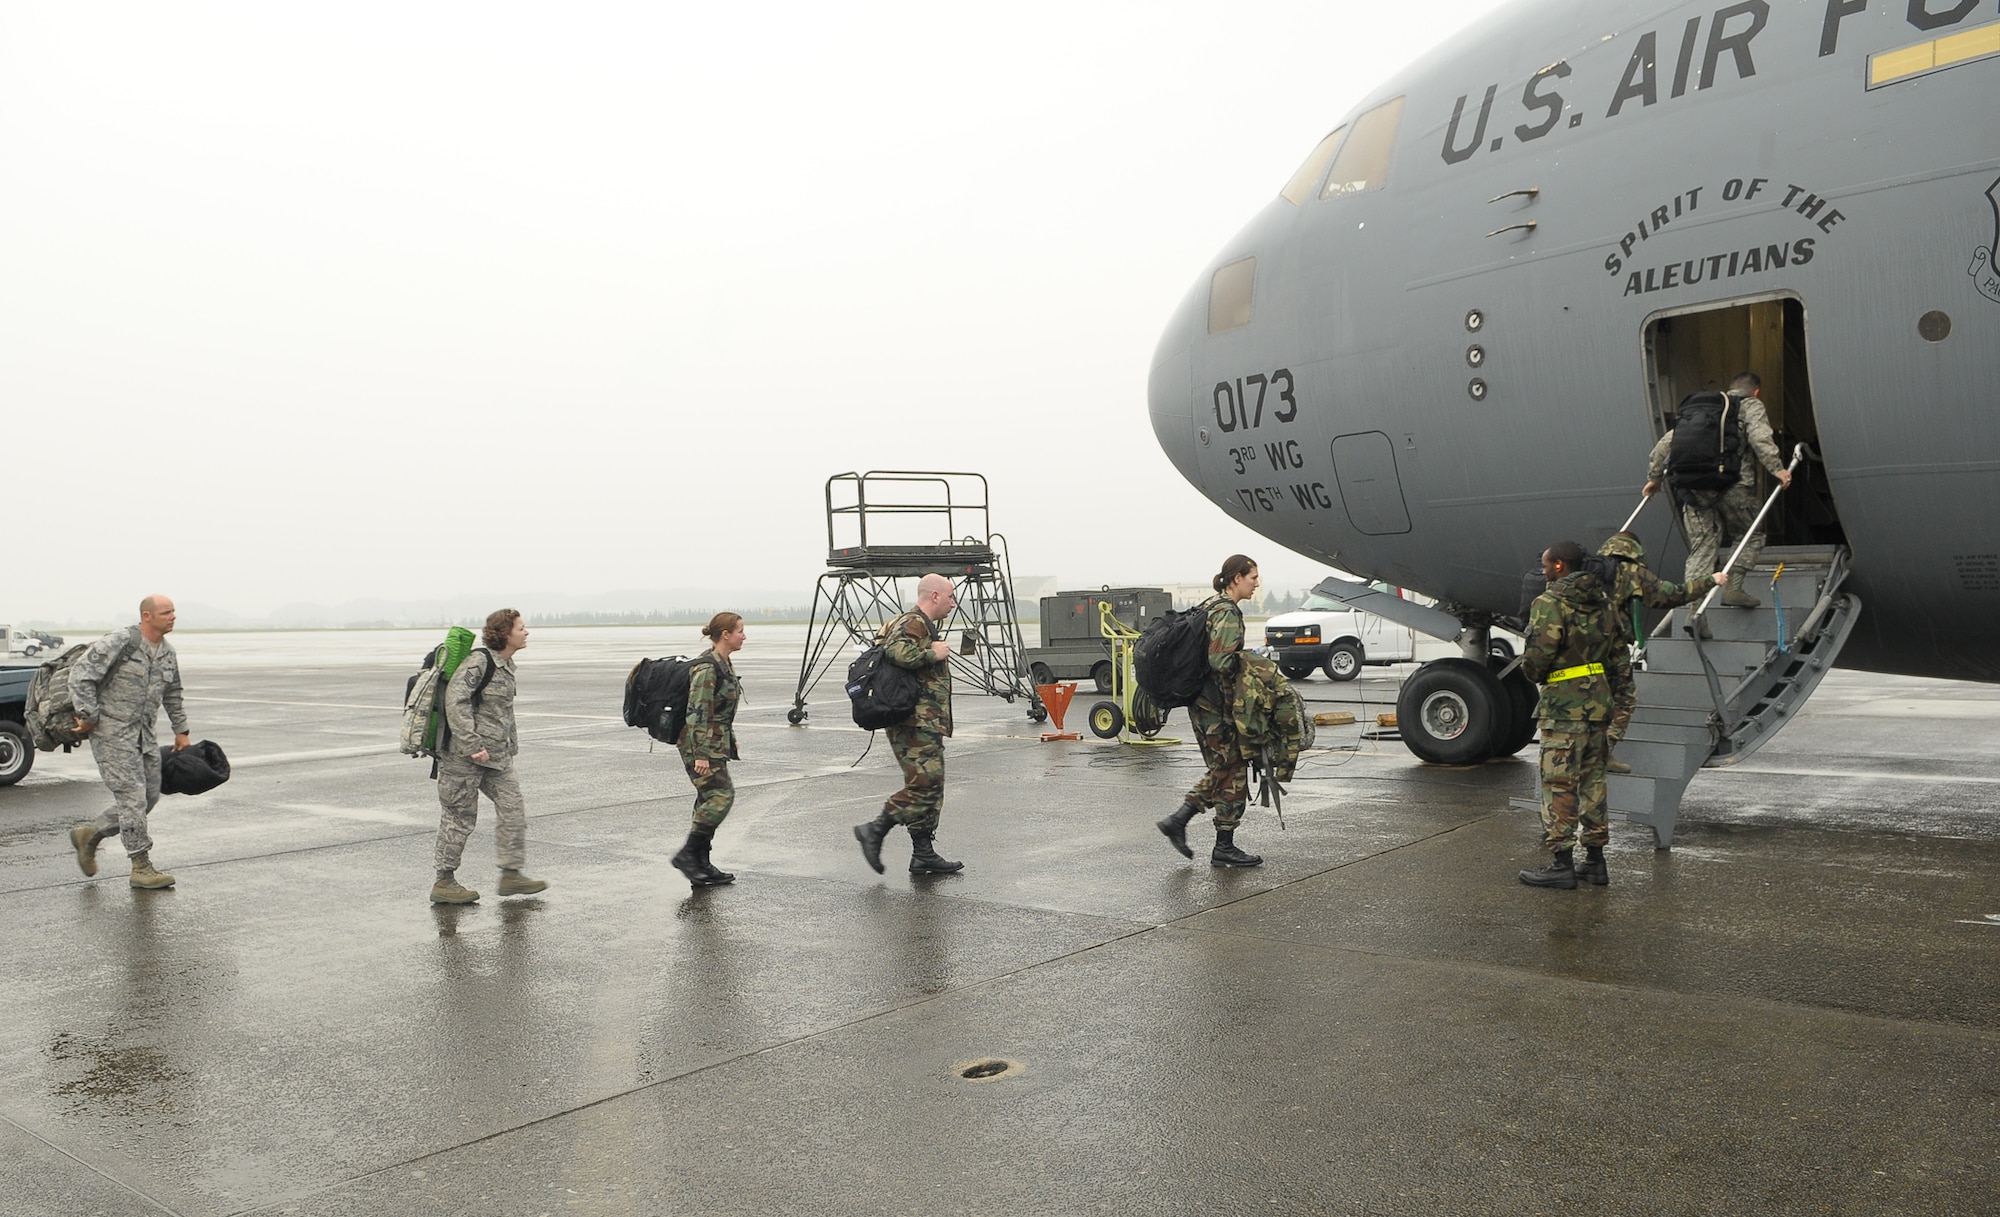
1453 335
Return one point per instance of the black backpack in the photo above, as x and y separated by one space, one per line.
1707 449
1170 660
883 693
656 696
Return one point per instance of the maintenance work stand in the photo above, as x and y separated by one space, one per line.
885 530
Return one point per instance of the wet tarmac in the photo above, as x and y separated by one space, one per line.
1793 1011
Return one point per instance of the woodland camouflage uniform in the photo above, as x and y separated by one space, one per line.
918 742
709 734
1633 586
1225 787
1571 631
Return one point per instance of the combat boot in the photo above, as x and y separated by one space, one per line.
688 861
1593 871
1225 852
514 883
1175 826
703 843
871 836
1613 765
144 876
1559 873
1736 597
924 859
84 838
448 890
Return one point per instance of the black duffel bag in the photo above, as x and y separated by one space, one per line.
195 769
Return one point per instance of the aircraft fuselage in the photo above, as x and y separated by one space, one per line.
1434 371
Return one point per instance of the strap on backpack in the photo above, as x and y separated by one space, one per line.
444 718
1270 793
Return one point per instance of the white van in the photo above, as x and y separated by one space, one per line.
1328 635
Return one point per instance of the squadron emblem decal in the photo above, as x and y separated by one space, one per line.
1985 276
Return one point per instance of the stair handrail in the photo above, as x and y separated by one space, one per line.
1643 500
1836 575
1799 453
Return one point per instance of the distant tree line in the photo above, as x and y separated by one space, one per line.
797 612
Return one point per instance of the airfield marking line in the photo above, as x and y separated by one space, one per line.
315 705
89 1166
775 1046
1935 778
1139 929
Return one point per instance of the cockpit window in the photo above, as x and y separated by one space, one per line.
1229 296
1300 188
1363 162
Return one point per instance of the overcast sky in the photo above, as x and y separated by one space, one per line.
310 302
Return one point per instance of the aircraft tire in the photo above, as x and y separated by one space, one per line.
1343 661
1523 695
17 755
1106 720
1453 712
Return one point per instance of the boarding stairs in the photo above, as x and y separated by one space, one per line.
1709 697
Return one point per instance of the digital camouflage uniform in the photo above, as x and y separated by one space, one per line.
123 697
1709 516
1225 786
918 742
1635 584
461 780
1569 629
710 734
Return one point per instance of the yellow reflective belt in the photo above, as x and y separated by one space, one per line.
1586 669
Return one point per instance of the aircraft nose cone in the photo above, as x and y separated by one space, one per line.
1170 396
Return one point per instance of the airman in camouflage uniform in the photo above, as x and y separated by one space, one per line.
918 743
1636 585
478 758
708 744
119 686
1225 782
1570 641
1709 516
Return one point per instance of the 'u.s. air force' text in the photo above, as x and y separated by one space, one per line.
1706 50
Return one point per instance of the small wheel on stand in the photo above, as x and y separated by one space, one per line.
795 715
